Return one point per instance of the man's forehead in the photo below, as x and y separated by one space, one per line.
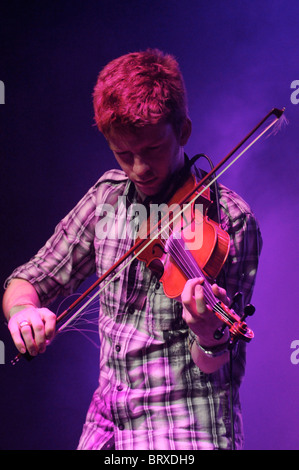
146 135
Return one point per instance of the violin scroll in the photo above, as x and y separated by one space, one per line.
237 327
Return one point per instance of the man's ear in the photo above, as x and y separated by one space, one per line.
185 132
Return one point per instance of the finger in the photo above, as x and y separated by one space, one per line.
188 301
28 338
38 335
193 297
50 321
14 329
43 326
187 295
201 306
220 293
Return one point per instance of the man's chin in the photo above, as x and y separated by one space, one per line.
146 190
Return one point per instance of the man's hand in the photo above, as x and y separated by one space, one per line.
204 322
31 328
197 314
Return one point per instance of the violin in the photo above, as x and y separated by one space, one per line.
174 259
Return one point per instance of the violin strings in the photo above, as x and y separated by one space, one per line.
188 265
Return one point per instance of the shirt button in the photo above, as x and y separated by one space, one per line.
117 348
131 309
121 427
119 388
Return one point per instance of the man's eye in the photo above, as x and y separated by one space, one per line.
153 149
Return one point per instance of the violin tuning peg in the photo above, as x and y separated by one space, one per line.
219 332
248 311
236 300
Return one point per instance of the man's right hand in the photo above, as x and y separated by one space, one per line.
31 328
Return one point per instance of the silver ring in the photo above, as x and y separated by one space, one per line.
24 323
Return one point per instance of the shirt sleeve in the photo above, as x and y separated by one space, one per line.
67 258
245 247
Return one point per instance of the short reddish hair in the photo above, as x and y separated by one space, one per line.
139 89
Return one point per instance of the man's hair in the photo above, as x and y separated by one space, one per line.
139 89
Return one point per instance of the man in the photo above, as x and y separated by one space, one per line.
164 378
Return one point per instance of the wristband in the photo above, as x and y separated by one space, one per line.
213 351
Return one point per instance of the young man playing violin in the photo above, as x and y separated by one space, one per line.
164 378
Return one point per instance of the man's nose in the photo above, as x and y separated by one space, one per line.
140 167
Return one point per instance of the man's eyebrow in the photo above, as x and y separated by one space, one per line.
157 142
119 151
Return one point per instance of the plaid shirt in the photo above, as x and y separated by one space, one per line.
151 395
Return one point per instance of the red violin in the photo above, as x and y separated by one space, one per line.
176 260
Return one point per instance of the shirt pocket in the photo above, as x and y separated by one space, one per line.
167 313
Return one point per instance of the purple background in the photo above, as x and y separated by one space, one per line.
239 59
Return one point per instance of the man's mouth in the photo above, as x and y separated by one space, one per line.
145 182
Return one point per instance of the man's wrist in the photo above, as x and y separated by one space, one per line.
215 350
211 348
17 308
